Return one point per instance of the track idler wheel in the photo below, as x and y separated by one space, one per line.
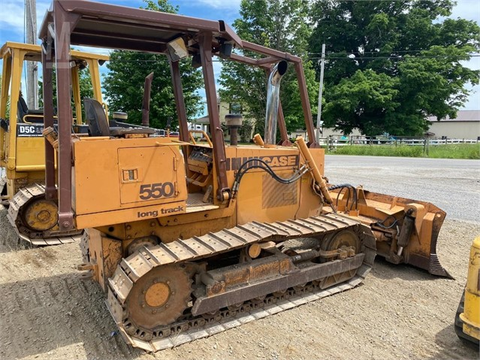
157 299
341 240
40 215
137 244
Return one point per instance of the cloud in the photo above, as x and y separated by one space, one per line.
9 21
221 4
465 9
93 50
12 24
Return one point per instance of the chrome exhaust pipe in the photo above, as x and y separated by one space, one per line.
273 100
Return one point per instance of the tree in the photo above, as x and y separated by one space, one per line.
124 82
85 82
281 25
391 64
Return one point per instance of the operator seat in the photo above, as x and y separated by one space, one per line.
22 108
98 124
23 112
96 118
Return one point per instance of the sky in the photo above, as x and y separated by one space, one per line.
12 22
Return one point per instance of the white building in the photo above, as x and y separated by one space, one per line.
465 126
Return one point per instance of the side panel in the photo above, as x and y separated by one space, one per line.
262 198
148 175
95 177
122 180
30 153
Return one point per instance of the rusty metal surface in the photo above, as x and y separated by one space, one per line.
429 263
223 320
138 26
225 240
421 246
37 238
163 288
211 303
47 53
63 22
282 127
193 250
307 112
179 101
213 114
147 89
279 55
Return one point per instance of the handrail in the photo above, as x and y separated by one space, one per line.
191 132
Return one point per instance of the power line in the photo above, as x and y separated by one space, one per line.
391 52
359 58
398 58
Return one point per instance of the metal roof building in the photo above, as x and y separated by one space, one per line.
465 126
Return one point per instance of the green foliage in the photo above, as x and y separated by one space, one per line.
85 81
281 25
460 151
393 63
125 80
379 150
368 89
86 89
124 86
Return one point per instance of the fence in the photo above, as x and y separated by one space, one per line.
334 141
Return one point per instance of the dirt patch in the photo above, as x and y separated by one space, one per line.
48 312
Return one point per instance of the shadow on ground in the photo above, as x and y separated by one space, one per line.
45 314
452 347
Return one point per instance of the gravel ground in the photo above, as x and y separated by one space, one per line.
48 312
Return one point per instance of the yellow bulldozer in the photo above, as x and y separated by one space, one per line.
22 146
190 238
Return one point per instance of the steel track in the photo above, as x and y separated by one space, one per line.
20 200
190 327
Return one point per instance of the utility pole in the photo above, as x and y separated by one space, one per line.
32 68
320 91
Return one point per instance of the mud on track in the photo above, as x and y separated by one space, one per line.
48 312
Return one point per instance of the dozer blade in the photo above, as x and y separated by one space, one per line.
34 218
406 230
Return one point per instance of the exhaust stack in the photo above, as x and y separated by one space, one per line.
146 100
273 100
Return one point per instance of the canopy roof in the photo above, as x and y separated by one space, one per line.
119 27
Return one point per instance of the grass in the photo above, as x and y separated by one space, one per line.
460 151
